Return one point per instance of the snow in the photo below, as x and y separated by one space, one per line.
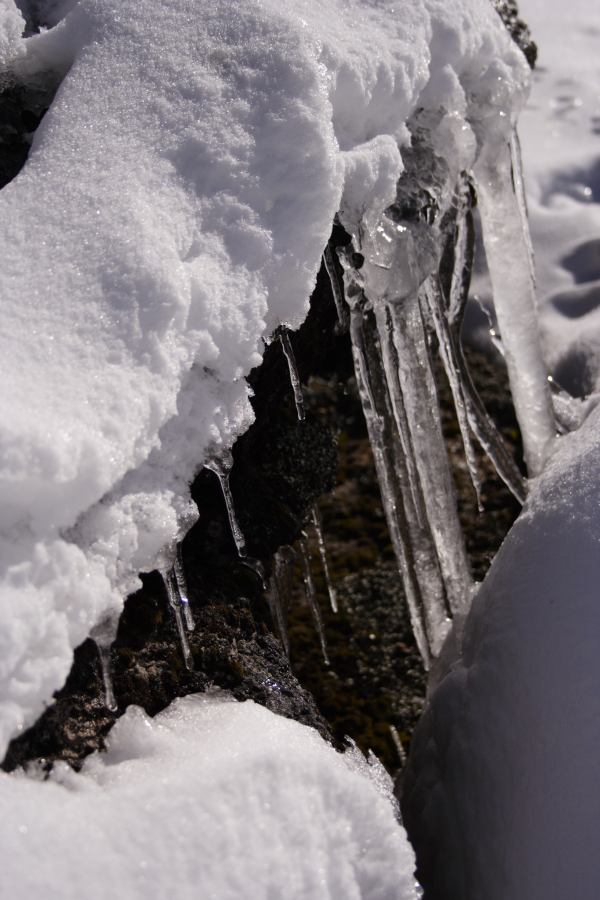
560 132
212 799
176 203
504 789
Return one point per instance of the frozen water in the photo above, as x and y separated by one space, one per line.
509 259
311 595
432 296
412 543
342 309
182 590
222 465
318 527
211 798
294 376
281 591
106 670
174 599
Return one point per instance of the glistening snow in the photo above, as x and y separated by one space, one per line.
211 799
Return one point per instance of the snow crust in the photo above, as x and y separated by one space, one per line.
212 799
173 211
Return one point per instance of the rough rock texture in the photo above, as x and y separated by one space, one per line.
509 13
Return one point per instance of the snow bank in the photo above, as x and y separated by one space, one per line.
503 799
172 212
560 132
212 799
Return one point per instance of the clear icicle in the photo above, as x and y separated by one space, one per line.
404 329
170 584
222 465
432 295
342 309
318 527
508 252
311 596
105 667
481 424
280 592
181 583
412 544
398 745
294 377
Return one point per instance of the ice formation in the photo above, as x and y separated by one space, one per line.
178 198
211 798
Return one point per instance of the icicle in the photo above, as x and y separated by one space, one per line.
103 634
342 309
508 252
318 527
221 465
181 583
280 592
432 295
170 584
311 595
294 377
398 745
410 367
415 554
480 423
105 667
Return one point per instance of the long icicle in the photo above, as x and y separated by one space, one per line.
222 465
105 668
173 598
336 290
404 329
420 573
182 590
507 248
311 596
456 296
318 527
280 592
294 376
432 296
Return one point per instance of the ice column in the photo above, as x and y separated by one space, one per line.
410 537
508 252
